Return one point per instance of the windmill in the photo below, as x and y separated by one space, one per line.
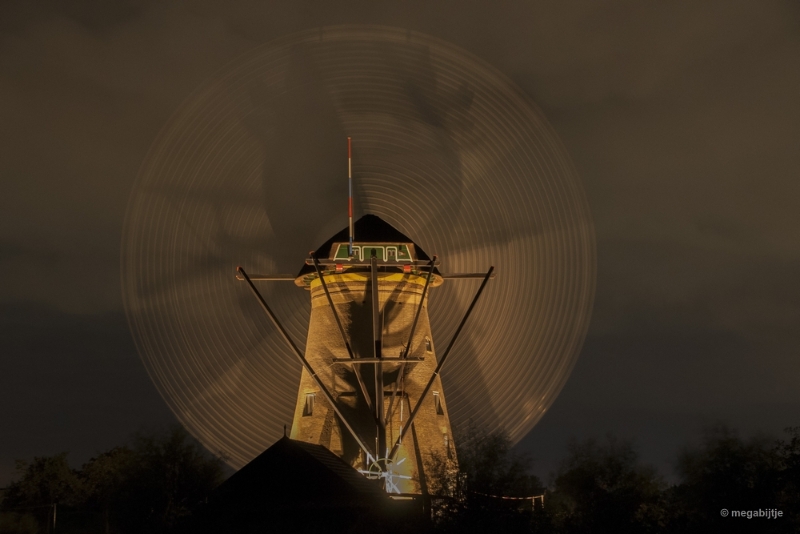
451 154
370 389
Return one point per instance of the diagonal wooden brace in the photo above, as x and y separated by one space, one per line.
303 361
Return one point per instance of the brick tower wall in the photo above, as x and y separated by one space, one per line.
429 441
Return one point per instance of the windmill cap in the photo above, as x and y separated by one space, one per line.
368 229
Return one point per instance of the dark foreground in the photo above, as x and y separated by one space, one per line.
169 484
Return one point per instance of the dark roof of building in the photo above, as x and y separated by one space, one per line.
354 480
295 486
368 229
296 471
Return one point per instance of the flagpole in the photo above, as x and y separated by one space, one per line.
350 192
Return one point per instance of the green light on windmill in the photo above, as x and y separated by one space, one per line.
383 251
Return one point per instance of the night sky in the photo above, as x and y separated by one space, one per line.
683 121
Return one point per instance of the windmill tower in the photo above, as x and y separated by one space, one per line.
370 389
369 332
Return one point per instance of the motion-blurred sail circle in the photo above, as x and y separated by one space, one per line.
252 170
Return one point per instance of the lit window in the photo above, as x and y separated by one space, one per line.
428 347
437 401
308 408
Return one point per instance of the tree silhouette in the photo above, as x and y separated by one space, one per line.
490 491
147 487
788 493
104 478
168 475
602 487
45 483
726 472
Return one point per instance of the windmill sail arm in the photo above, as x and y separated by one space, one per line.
466 276
270 277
